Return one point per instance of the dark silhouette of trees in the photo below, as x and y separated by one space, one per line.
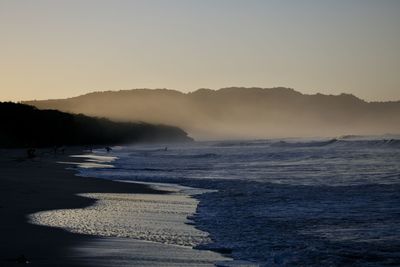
26 126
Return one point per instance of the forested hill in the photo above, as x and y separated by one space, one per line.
26 126
240 112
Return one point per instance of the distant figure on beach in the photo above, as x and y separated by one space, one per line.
108 149
166 148
59 148
22 259
31 153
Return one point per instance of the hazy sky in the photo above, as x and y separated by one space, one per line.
56 49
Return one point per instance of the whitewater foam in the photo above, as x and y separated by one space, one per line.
159 218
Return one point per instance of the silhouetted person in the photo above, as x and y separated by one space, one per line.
58 148
22 259
108 149
166 148
31 153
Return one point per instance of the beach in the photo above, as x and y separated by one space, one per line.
29 186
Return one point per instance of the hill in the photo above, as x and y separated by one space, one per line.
27 126
240 112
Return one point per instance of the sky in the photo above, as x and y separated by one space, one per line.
57 49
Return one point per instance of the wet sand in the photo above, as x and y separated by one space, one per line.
28 186
44 186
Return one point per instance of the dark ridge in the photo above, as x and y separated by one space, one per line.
238 112
26 126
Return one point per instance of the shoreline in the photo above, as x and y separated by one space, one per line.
28 186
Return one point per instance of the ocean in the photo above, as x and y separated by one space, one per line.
289 202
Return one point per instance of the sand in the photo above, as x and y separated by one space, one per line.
28 186
36 186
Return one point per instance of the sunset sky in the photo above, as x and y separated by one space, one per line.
57 49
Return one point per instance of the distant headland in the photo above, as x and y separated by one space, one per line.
238 112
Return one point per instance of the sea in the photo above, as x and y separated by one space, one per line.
279 202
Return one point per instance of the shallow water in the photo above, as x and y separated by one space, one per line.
152 217
285 202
